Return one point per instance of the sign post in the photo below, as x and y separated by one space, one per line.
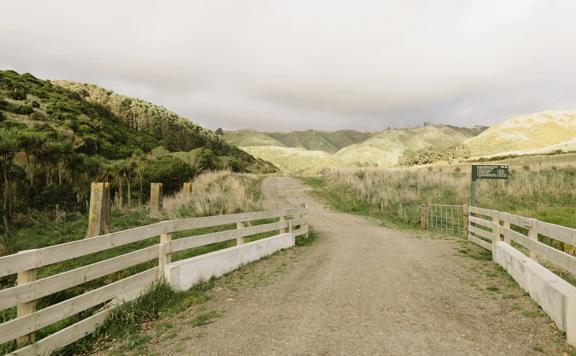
486 171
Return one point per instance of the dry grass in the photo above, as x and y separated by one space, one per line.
541 188
216 193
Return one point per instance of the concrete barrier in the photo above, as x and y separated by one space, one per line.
556 296
182 275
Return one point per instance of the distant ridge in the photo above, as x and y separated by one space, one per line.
314 140
308 152
540 132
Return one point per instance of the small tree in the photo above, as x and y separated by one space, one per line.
219 132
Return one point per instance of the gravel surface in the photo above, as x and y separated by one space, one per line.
362 289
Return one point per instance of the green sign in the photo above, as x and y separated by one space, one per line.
489 171
486 171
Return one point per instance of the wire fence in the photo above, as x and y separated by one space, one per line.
446 218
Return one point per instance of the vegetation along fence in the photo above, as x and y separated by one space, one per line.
85 283
538 255
446 218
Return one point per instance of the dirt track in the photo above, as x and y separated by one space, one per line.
364 289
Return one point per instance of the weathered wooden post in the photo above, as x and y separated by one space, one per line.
24 309
187 190
303 217
164 255
496 231
99 215
156 199
466 219
424 216
106 210
283 229
239 239
506 226
532 234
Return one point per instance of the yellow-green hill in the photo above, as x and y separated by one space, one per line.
382 149
541 132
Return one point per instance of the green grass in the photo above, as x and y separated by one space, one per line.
125 322
205 318
532 314
341 198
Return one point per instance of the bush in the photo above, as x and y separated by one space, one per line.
170 171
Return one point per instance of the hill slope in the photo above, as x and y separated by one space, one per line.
54 142
314 140
523 134
172 131
382 149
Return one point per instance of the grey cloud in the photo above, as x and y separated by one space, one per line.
281 65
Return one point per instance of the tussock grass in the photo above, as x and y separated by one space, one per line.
540 188
216 193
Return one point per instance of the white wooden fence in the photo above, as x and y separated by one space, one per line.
28 290
487 226
534 253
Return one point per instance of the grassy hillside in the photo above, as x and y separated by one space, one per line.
247 138
382 149
172 131
295 161
54 142
385 148
313 140
536 133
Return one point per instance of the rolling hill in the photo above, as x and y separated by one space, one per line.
58 137
298 153
313 140
169 129
542 132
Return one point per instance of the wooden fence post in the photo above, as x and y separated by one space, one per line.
532 234
302 216
424 216
506 225
25 308
239 239
187 190
96 206
282 230
164 255
106 210
156 199
496 231
466 219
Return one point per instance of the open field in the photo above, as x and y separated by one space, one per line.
542 187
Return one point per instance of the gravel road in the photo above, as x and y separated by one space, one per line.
363 289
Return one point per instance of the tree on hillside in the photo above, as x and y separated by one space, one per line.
219 132
10 141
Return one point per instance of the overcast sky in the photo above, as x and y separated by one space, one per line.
297 64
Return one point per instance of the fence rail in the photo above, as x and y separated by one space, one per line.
28 290
534 254
492 225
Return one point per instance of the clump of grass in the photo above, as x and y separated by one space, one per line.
216 193
126 320
302 240
531 314
205 318
493 289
